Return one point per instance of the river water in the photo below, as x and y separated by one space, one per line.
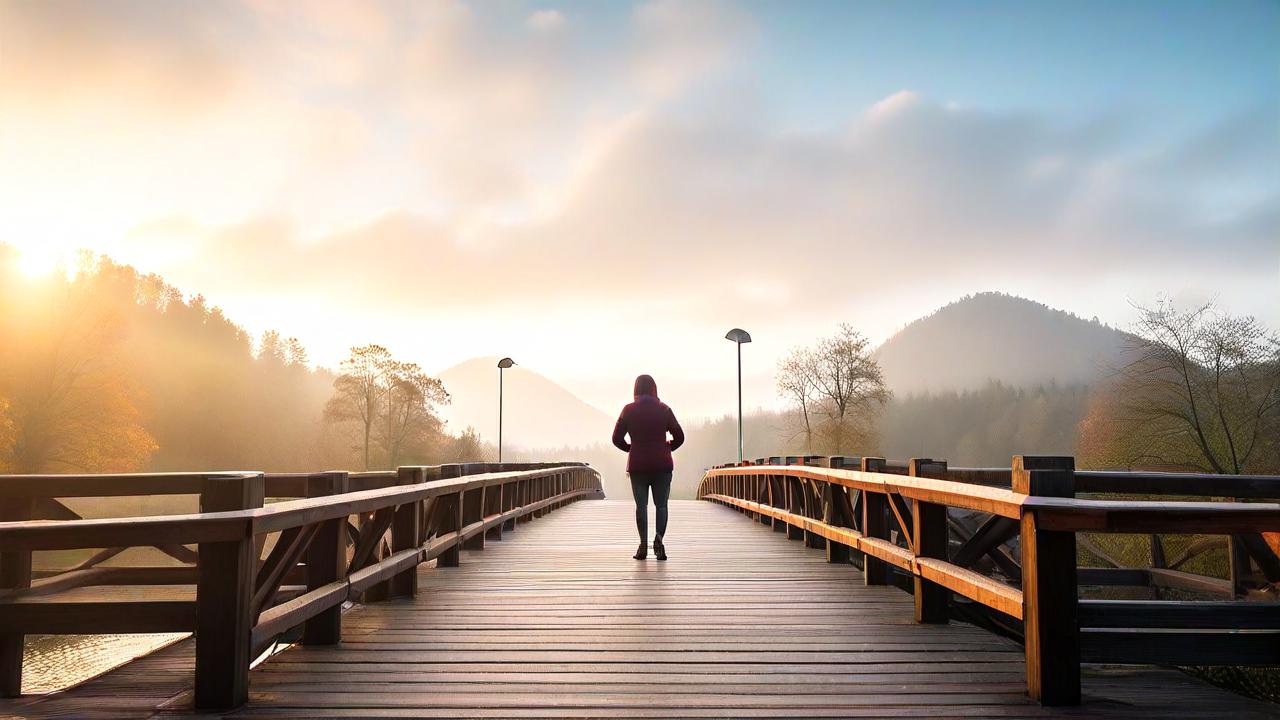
56 662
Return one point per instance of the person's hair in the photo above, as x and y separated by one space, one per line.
645 385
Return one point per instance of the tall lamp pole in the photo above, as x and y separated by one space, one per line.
503 364
739 336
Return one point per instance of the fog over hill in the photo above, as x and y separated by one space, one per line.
538 412
992 336
975 381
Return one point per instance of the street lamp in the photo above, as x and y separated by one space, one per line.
739 336
503 364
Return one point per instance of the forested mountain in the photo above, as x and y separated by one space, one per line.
996 337
111 370
531 401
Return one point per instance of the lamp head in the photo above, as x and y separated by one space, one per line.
738 335
505 363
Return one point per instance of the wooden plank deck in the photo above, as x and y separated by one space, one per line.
559 621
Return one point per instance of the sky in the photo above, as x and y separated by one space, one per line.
604 189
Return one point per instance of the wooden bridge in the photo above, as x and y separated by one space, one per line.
468 609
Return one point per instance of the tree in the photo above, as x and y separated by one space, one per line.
271 348
393 403
467 447
360 391
69 405
295 353
409 416
795 380
1200 392
841 383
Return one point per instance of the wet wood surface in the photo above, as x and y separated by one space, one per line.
557 620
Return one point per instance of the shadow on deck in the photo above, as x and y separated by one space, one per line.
558 621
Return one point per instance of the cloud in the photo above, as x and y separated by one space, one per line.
924 188
379 165
545 20
680 43
71 56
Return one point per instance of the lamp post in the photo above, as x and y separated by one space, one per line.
739 336
503 364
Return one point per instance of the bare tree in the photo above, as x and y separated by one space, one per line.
850 388
837 388
796 383
1201 391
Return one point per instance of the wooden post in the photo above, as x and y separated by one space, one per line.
405 529
1049 593
510 500
813 508
15 572
326 562
224 599
778 499
493 506
1239 567
450 509
837 511
522 499
929 537
795 504
472 511
762 497
833 514
875 524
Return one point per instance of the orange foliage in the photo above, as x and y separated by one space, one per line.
69 405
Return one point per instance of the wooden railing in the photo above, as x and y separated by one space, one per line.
947 531
258 570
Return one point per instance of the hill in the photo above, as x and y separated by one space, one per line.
996 337
530 401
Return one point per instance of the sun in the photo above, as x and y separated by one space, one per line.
39 262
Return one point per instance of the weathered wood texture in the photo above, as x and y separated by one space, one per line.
558 621
242 601
904 532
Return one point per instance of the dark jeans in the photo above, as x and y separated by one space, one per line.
661 484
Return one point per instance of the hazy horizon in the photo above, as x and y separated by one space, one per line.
603 190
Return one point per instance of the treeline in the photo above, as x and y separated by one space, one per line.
111 370
985 427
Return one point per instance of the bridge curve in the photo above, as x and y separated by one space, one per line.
556 620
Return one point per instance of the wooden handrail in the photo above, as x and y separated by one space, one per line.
219 526
886 520
107 485
243 600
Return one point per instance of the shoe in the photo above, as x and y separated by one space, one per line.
642 552
659 550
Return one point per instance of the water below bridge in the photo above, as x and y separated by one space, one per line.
557 620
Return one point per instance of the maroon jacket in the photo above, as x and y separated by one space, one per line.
647 421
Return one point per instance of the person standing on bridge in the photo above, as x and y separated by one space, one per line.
647 420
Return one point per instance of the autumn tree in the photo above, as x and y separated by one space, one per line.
409 413
466 447
70 406
1201 391
295 354
392 403
271 348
